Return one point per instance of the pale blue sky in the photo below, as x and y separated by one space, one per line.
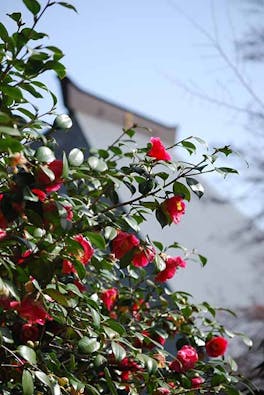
135 53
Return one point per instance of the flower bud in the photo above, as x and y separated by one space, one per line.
62 121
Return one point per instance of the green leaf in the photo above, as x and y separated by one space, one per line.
32 5
182 190
96 317
247 341
4 118
28 354
110 233
195 186
110 383
16 16
27 383
9 131
91 390
227 170
161 217
58 297
119 351
203 259
55 389
3 33
88 345
12 91
9 143
67 5
96 239
65 169
191 148
225 150
43 378
45 154
149 363
116 327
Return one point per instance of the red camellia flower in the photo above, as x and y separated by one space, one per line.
123 243
45 182
144 256
39 193
67 267
174 208
109 297
68 208
2 234
32 311
172 263
197 382
29 332
24 256
86 251
186 359
216 346
158 150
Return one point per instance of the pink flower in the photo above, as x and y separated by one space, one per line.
174 208
216 346
45 182
109 297
186 359
172 263
158 150
197 382
2 234
123 243
39 193
32 311
29 332
144 256
86 251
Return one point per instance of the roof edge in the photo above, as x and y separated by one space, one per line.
67 84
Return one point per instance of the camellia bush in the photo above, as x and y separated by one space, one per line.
84 307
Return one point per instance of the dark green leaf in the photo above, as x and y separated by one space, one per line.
32 5
88 345
67 5
227 170
27 383
43 378
119 351
91 390
12 91
96 239
110 383
225 150
28 354
9 131
3 33
195 186
116 327
146 186
9 143
191 148
181 190
16 16
203 259
161 217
